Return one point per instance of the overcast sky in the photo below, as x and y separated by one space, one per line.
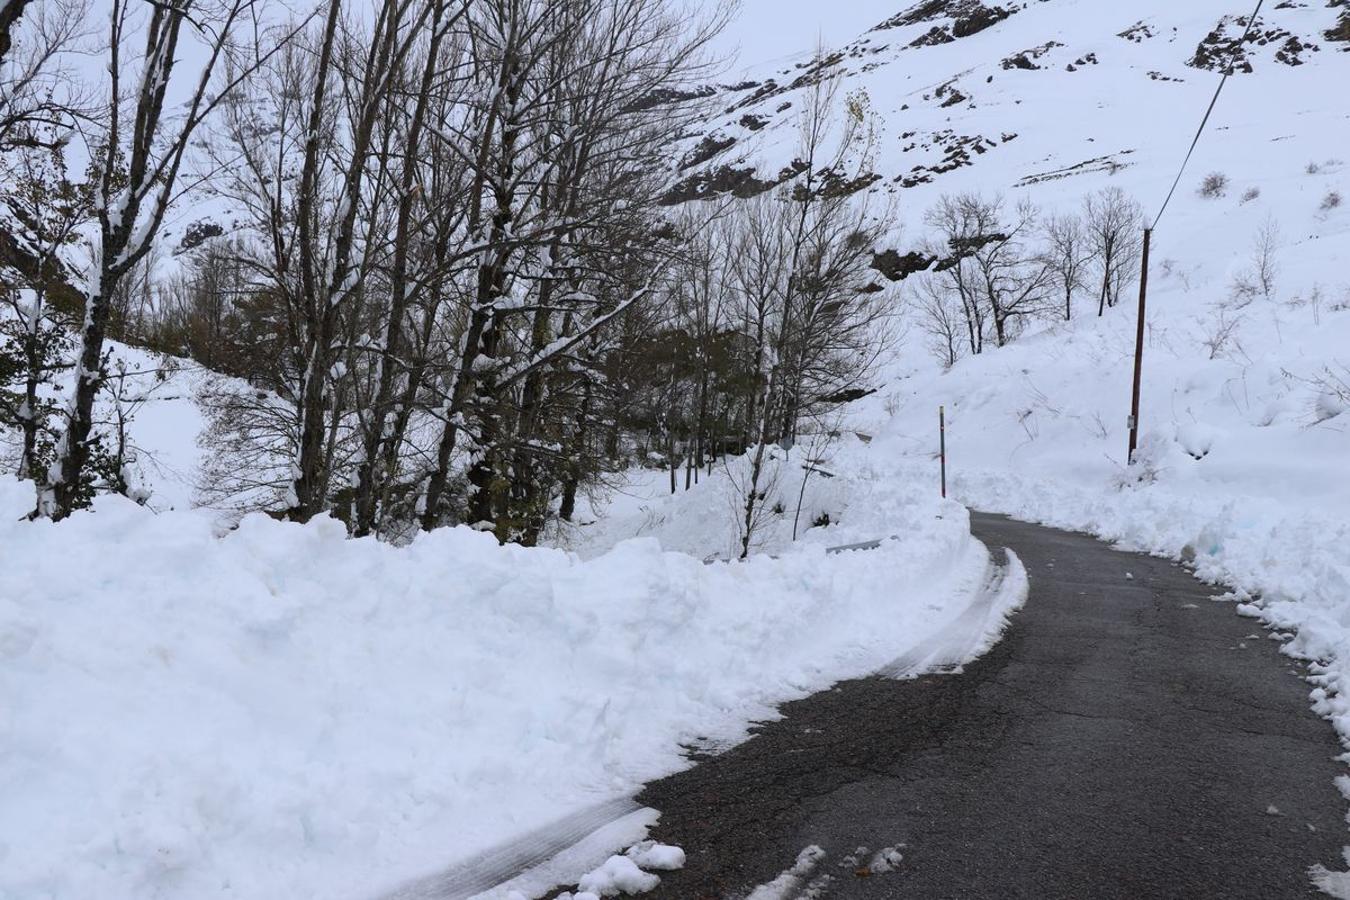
769 31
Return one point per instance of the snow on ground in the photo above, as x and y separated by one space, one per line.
166 427
284 712
796 881
833 489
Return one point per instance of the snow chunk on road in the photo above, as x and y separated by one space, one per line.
887 859
619 875
1334 884
660 857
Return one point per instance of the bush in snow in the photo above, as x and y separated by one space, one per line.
1221 335
1330 201
1333 393
1215 185
1250 194
1259 279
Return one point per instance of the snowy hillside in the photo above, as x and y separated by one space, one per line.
1054 97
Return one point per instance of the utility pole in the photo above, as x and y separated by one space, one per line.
1139 350
942 446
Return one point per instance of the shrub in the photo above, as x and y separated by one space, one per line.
1312 168
1214 185
1250 194
1330 201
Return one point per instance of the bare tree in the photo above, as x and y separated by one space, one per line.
942 319
991 268
1114 224
1265 250
804 274
137 165
1067 255
392 365
554 199
42 97
959 227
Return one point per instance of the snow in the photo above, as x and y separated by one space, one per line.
535 863
651 855
793 883
845 482
618 875
887 859
1333 884
283 712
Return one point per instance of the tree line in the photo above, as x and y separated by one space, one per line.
454 292
999 267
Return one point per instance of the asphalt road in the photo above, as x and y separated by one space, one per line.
1128 738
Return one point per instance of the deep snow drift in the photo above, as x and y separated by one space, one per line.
284 712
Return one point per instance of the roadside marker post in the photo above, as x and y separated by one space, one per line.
942 446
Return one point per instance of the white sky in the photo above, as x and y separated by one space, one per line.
770 32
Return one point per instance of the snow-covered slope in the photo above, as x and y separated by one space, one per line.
1052 96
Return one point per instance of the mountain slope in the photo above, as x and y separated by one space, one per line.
1056 94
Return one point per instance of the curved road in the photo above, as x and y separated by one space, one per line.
1128 738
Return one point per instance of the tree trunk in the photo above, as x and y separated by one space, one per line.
28 417
10 13
60 496
571 481
371 474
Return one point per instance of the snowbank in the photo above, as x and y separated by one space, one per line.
287 713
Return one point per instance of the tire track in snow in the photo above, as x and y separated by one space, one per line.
975 630
502 865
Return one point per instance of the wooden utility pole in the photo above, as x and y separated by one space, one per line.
1139 350
942 446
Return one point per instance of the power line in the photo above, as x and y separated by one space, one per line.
1148 236
1232 61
